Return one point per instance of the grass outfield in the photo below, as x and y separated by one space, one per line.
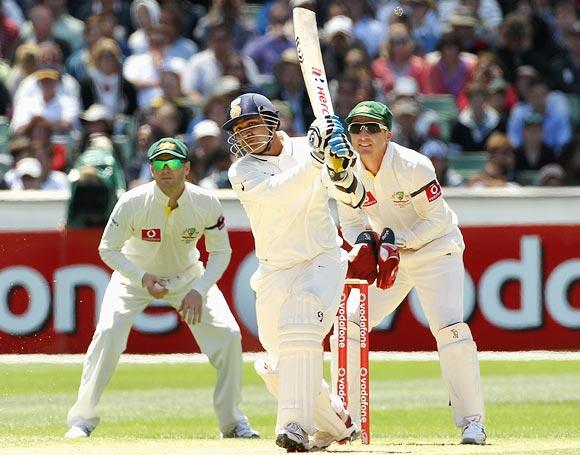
532 407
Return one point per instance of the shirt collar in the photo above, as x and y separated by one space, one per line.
162 198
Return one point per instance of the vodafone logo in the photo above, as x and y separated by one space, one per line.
433 191
369 200
151 235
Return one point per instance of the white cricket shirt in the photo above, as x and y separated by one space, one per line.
287 204
144 235
405 196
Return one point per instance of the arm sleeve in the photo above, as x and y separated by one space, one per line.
218 247
118 230
257 185
434 215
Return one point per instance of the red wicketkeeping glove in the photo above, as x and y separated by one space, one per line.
362 259
388 260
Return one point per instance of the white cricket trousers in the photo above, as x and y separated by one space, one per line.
303 299
218 336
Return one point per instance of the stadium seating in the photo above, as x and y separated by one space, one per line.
468 164
446 109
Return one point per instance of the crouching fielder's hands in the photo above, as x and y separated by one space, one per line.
155 286
191 307
319 133
388 260
362 258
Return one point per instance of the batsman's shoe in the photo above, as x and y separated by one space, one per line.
78 431
242 430
293 439
323 439
473 433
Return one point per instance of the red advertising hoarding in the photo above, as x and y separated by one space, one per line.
522 293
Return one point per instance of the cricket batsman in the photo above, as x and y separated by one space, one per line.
403 193
281 184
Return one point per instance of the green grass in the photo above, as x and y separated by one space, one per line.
532 407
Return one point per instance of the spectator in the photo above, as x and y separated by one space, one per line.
499 98
488 11
39 29
144 70
425 24
231 13
437 152
76 65
66 27
487 70
502 151
466 25
338 40
9 36
404 129
119 9
366 28
25 63
96 120
286 117
476 122
50 55
397 60
450 70
570 161
171 19
19 148
552 175
554 108
28 175
97 182
566 67
212 158
266 50
516 47
235 67
170 83
205 68
39 133
144 16
533 154
291 90
168 119
59 109
566 13
105 83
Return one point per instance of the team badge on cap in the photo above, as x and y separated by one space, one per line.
166 146
235 108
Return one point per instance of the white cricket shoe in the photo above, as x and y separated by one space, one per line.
293 439
242 430
78 431
322 439
473 433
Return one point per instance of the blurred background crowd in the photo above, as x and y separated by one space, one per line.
489 90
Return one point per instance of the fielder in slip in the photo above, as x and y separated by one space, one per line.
150 243
402 192
280 182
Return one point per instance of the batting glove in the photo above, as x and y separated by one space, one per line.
319 133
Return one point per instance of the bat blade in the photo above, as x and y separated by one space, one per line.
310 57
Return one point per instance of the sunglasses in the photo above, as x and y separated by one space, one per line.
371 128
173 164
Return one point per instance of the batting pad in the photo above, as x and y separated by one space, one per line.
300 331
327 407
353 369
460 371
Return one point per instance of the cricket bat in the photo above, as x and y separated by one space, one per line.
310 57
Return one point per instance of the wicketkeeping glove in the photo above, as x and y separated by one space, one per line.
362 258
320 132
388 260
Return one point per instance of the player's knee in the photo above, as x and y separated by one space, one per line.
454 333
301 320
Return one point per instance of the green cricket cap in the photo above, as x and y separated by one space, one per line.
168 145
372 109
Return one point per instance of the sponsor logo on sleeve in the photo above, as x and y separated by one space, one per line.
369 200
433 191
151 234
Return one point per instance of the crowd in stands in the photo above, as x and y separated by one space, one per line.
489 90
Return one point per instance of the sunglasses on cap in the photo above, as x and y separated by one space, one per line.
371 127
173 164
